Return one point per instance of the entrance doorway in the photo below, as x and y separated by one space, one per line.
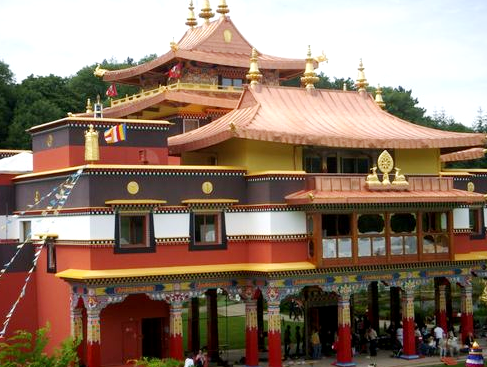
152 337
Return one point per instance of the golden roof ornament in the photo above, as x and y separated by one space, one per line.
254 75
174 46
92 149
223 8
99 72
206 13
378 97
89 107
191 20
361 83
309 77
385 164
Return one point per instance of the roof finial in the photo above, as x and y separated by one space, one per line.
254 74
223 8
89 107
309 77
378 97
191 20
361 83
206 13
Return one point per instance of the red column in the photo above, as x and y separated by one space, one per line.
441 319
467 311
251 342
409 344
175 331
274 333
373 305
194 324
344 350
93 358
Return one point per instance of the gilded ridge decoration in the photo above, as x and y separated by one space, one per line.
385 163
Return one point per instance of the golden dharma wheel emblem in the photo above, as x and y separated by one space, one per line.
227 35
471 186
207 187
49 140
133 187
385 162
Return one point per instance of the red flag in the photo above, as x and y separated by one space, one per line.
175 71
112 91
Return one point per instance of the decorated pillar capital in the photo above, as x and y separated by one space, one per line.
274 295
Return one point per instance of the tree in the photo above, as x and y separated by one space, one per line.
480 123
7 101
400 103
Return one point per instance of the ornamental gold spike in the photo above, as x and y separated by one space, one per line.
191 20
223 8
309 77
206 13
89 107
378 97
361 83
254 74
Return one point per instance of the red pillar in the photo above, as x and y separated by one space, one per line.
373 305
251 342
175 331
194 324
93 358
274 333
344 350
409 343
467 311
441 318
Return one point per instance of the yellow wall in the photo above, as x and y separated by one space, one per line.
417 161
253 154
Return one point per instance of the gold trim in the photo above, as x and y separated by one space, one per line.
262 173
455 173
46 235
478 170
475 255
81 274
209 201
135 202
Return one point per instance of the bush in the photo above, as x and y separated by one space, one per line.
25 349
156 362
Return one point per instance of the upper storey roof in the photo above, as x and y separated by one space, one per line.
218 42
320 117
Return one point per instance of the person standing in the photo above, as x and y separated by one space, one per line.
316 344
372 339
287 341
297 335
438 331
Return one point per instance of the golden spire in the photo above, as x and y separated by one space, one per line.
206 13
89 107
309 77
361 83
254 74
191 20
378 97
223 8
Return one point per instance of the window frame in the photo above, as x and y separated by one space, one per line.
149 244
51 263
220 242
478 230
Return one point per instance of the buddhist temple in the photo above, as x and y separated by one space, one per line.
215 178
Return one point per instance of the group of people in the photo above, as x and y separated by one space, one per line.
199 359
288 341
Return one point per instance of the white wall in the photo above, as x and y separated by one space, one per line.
265 223
171 225
461 218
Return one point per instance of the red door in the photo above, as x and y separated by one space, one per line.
130 340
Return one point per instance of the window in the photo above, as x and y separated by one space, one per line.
51 256
371 240
355 165
435 236
313 164
190 124
229 82
207 231
337 235
26 231
403 234
134 232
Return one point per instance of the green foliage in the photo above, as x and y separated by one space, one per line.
156 362
25 349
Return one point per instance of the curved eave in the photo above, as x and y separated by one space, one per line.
126 76
463 155
131 108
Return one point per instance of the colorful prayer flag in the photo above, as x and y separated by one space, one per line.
116 133
112 91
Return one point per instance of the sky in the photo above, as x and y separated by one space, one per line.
436 48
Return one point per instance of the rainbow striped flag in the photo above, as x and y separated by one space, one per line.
116 133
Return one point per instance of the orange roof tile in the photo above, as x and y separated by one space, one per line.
321 117
206 43
463 155
352 190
